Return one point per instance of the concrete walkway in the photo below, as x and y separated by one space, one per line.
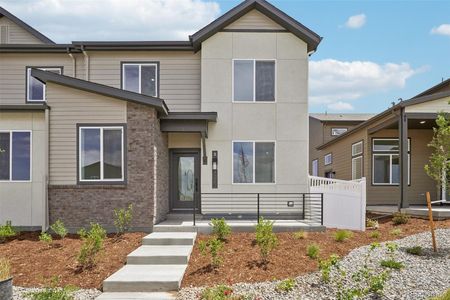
154 270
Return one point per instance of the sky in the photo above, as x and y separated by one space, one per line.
372 54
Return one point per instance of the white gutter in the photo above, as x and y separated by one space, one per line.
86 63
74 65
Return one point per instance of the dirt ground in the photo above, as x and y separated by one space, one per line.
241 260
34 263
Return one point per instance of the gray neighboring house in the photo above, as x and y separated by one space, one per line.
90 126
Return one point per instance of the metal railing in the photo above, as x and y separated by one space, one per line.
252 206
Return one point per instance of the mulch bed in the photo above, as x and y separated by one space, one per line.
241 260
34 264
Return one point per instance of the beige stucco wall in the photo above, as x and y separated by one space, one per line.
18 35
285 121
23 202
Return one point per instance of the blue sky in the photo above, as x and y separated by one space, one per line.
373 52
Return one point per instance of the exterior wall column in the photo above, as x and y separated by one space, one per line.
403 158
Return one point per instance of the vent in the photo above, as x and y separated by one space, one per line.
4 34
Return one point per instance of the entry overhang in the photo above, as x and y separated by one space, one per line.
188 122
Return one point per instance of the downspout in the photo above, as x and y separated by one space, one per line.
74 63
86 63
45 220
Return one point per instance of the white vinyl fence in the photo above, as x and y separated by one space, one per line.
344 202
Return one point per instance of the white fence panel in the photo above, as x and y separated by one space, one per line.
344 202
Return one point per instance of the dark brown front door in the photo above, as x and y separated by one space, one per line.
184 179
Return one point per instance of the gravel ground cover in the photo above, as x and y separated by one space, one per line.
19 293
422 277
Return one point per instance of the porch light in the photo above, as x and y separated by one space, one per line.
422 122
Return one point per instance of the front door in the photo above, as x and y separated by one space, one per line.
184 179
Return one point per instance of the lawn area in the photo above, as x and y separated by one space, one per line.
241 259
34 263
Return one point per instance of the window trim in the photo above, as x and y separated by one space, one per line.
254 157
154 63
331 160
362 166
312 167
254 80
123 180
354 156
27 74
362 148
332 128
10 156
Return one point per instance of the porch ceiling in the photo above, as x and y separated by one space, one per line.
415 121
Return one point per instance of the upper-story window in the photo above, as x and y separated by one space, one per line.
35 87
338 131
328 159
253 80
140 78
15 155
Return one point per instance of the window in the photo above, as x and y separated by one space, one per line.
315 167
15 155
35 88
254 80
101 153
386 162
253 162
328 159
338 131
357 160
140 78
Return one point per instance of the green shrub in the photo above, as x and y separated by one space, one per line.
265 238
220 292
92 244
416 250
45 238
123 218
59 229
220 228
400 218
5 269
300 235
395 231
371 223
375 234
286 285
6 231
390 263
213 247
444 296
53 292
326 265
313 251
342 235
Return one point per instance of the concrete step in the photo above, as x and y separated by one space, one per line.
170 238
174 228
137 296
145 278
160 255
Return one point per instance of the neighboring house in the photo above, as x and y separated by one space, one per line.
390 150
88 127
325 127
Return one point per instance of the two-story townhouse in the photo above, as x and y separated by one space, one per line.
87 127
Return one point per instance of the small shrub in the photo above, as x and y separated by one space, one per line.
286 285
220 292
53 292
444 296
416 250
265 238
372 223
5 269
326 265
342 235
400 218
45 238
6 231
59 229
213 247
123 218
220 228
392 264
375 234
92 244
395 231
300 235
313 251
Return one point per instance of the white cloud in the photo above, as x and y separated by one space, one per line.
356 21
67 20
443 29
340 106
335 83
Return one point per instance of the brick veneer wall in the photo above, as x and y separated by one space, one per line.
78 205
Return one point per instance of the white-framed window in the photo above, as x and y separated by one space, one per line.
35 88
315 167
15 155
357 160
254 80
140 78
328 159
357 148
101 153
338 131
253 162
386 161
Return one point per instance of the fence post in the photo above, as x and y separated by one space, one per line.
321 209
257 207
303 205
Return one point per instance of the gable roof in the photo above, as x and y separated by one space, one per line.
434 88
22 24
46 76
342 117
295 27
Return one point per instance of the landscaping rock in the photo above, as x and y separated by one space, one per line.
422 277
87 294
